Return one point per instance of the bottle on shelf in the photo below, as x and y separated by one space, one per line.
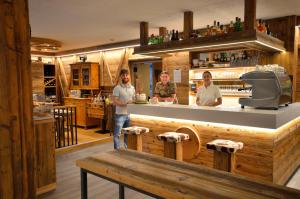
173 37
214 29
207 32
231 27
177 35
218 30
268 29
260 26
166 37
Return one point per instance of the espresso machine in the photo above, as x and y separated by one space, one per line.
269 89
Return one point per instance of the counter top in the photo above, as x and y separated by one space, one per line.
271 119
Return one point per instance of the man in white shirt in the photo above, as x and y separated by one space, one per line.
123 94
208 94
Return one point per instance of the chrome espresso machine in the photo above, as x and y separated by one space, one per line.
269 89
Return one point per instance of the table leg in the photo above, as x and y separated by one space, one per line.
121 192
83 175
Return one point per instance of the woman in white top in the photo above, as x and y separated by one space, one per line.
208 94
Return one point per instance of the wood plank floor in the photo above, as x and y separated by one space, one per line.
68 178
88 135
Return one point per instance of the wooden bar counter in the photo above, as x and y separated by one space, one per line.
271 138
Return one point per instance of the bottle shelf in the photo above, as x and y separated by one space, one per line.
251 39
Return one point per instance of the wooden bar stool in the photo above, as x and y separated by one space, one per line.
224 153
173 142
135 137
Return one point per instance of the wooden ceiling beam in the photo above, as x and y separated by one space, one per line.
250 15
188 24
144 33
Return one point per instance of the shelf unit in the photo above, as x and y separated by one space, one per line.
250 39
50 81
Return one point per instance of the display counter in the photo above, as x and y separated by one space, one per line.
271 137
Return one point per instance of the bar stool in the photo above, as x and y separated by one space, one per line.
173 142
224 153
135 137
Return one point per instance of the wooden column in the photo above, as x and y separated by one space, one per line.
250 15
17 149
162 31
188 24
169 149
144 33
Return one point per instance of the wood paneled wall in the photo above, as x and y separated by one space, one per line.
17 148
180 61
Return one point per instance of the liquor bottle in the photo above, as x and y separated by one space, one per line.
268 29
236 24
214 29
166 37
218 28
207 32
231 27
173 38
265 27
222 31
177 35
240 24
151 39
260 26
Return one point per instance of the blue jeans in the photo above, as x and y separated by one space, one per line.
122 121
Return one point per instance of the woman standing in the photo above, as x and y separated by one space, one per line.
208 94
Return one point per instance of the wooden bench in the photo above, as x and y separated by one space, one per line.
135 137
167 178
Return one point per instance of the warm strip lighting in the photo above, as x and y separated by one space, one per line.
97 51
279 49
210 46
208 124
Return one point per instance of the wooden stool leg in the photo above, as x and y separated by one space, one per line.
135 142
169 150
179 152
224 161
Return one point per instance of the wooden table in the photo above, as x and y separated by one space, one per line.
166 178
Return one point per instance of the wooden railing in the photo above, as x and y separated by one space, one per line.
65 126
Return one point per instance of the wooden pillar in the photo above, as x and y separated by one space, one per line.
250 15
144 33
188 24
17 148
162 31
135 142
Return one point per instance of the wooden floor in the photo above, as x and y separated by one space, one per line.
88 135
68 178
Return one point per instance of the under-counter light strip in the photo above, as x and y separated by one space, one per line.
209 46
207 124
96 51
